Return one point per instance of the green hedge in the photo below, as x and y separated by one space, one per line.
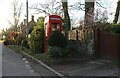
57 45
57 39
36 40
116 28
57 52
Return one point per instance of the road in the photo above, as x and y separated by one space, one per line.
0 59
13 64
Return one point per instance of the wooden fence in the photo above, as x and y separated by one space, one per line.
107 44
79 34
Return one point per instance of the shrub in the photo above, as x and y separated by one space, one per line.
9 42
115 28
36 40
12 34
24 43
57 45
10 39
103 26
6 42
57 52
19 38
57 39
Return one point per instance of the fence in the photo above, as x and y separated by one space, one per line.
80 34
75 35
107 44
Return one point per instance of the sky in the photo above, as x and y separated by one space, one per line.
6 11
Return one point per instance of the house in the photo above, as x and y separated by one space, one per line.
28 29
31 25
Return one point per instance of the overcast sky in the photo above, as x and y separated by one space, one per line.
6 11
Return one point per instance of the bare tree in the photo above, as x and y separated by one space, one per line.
17 10
101 16
50 7
54 7
77 6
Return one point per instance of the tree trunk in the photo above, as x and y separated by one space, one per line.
89 13
117 13
66 15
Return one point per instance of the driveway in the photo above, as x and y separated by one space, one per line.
96 67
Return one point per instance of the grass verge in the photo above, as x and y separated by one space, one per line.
42 56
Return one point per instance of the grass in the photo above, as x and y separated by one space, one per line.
15 48
43 57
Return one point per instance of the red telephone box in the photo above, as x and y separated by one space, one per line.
51 23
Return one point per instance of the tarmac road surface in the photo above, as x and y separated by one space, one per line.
13 64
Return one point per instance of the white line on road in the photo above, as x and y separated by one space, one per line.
23 59
28 66
43 64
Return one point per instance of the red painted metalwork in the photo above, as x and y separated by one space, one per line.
51 23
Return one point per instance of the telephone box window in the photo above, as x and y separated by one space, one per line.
55 26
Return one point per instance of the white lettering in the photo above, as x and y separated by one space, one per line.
55 18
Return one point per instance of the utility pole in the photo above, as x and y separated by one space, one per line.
27 18
27 11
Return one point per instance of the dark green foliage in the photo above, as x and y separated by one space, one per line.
57 39
36 40
12 42
103 26
57 45
24 43
40 21
57 52
113 28
9 42
116 28
6 42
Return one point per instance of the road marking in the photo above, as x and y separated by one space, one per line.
43 64
26 62
23 59
28 66
95 62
